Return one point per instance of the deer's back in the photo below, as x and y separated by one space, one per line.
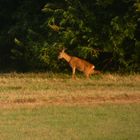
80 64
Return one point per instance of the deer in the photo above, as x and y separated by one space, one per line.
78 64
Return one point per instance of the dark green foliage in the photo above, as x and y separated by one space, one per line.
104 32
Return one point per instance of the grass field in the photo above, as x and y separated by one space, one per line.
39 106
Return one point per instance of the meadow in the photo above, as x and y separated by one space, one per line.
41 106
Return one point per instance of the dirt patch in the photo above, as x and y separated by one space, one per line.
80 100
24 101
70 101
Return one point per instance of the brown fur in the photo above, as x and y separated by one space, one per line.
77 63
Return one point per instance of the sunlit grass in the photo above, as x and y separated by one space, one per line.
47 88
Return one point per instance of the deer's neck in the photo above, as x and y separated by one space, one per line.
67 57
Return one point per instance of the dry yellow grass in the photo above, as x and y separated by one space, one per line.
35 89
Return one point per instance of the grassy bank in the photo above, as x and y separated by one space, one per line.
46 106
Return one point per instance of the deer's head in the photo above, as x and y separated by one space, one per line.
61 54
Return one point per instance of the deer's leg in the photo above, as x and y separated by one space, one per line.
87 75
89 72
86 72
73 73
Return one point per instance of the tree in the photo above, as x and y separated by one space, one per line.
105 32
93 29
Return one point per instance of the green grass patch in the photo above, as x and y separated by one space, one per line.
102 122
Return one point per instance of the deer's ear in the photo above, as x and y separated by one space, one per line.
64 49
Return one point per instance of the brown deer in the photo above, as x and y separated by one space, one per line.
79 64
